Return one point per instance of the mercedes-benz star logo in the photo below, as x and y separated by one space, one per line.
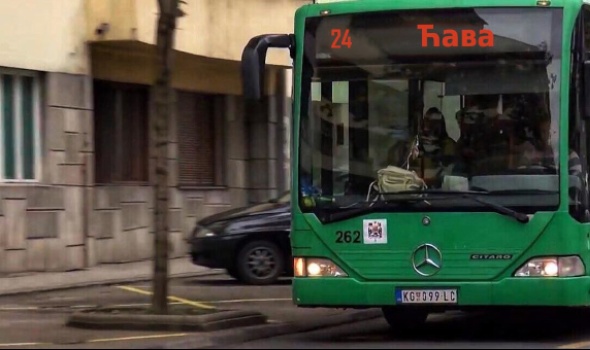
427 260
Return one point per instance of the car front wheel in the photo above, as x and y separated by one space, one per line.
260 263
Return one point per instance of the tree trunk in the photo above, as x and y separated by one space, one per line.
163 101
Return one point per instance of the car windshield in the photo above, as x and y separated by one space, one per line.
459 99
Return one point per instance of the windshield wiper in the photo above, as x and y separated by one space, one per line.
423 195
520 217
354 210
520 192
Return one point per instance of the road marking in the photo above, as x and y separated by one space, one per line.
49 307
173 298
78 307
192 303
249 300
140 305
104 340
578 345
74 307
141 337
19 308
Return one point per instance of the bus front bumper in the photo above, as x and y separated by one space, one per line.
347 292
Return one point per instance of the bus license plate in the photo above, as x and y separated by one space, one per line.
428 296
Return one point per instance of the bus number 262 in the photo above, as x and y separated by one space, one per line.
348 237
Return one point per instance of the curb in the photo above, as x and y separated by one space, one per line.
215 321
248 334
94 283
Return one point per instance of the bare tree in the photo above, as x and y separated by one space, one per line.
166 27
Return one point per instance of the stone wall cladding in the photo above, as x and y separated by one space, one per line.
67 223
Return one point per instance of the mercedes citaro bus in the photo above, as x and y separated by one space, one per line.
439 153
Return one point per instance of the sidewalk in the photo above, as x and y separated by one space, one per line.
99 275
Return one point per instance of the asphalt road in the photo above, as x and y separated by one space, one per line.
528 331
37 321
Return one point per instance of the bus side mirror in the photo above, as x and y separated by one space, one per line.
254 60
586 90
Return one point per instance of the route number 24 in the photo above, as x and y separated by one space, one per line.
341 39
348 237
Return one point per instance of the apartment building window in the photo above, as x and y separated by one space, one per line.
20 110
200 140
121 117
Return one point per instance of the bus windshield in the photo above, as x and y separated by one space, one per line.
467 99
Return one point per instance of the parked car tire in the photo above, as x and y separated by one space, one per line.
260 262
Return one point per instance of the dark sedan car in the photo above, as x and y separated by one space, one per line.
251 243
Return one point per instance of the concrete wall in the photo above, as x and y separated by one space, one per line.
211 28
42 225
266 124
134 63
66 223
122 226
123 215
56 32
44 35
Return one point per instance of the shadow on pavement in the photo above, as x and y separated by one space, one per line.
547 327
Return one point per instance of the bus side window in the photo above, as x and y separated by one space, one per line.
578 142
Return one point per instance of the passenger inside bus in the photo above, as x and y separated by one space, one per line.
435 151
471 144
537 150
498 135
496 139
540 153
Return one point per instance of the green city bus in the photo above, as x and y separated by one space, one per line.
439 154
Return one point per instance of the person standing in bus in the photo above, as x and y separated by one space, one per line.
437 148
540 152
430 152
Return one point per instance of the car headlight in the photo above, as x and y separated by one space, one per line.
202 232
569 266
313 267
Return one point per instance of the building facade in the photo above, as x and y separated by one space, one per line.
76 105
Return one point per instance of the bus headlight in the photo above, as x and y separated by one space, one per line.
314 267
569 266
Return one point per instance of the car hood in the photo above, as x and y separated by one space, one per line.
246 212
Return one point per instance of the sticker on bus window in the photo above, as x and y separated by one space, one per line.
375 231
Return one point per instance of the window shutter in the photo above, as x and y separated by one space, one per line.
105 105
121 132
135 131
196 140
